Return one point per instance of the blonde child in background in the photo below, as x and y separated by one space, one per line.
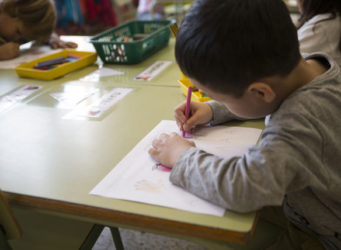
26 20
320 27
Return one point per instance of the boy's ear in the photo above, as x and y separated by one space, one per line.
262 90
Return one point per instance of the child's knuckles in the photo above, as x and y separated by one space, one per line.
164 136
174 134
151 151
155 143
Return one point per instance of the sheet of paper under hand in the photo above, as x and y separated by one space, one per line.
139 178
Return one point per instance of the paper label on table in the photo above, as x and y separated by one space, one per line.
22 93
10 100
139 178
102 72
72 95
153 71
101 105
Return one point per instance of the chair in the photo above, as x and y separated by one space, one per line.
124 9
96 232
9 228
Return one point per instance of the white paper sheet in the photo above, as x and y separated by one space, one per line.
12 99
70 95
101 72
97 108
152 71
137 178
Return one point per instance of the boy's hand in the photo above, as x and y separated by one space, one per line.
167 149
9 50
55 43
200 113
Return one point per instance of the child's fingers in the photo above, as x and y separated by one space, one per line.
62 44
154 153
65 45
156 143
179 112
191 123
54 45
71 45
182 122
13 45
179 115
16 48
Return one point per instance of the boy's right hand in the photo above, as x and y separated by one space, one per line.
200 113
9 50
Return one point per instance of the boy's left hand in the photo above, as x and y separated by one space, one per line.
168 148
55 43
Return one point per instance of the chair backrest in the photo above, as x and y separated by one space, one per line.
124 9
7 219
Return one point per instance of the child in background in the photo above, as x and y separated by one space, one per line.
149 9
25 20
250 62
320 27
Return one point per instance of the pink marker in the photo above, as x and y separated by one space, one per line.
164 168
188 107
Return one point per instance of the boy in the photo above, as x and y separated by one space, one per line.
246 56
25 20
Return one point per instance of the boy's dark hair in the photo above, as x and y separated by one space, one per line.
311 8
228 44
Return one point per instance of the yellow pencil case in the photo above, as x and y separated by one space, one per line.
27 69
197 94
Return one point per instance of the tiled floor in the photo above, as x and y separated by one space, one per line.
134 240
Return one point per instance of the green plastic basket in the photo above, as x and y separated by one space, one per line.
132 42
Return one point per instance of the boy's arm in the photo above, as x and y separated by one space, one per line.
237 183
261 177
221 113
9 50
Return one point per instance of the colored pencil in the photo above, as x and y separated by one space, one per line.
188 107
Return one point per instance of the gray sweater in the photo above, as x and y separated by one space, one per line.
297 162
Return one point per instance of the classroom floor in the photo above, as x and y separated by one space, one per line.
134 240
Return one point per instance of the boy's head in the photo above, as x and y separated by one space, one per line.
34 19
227 45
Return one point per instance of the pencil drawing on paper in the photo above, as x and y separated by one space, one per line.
149 186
